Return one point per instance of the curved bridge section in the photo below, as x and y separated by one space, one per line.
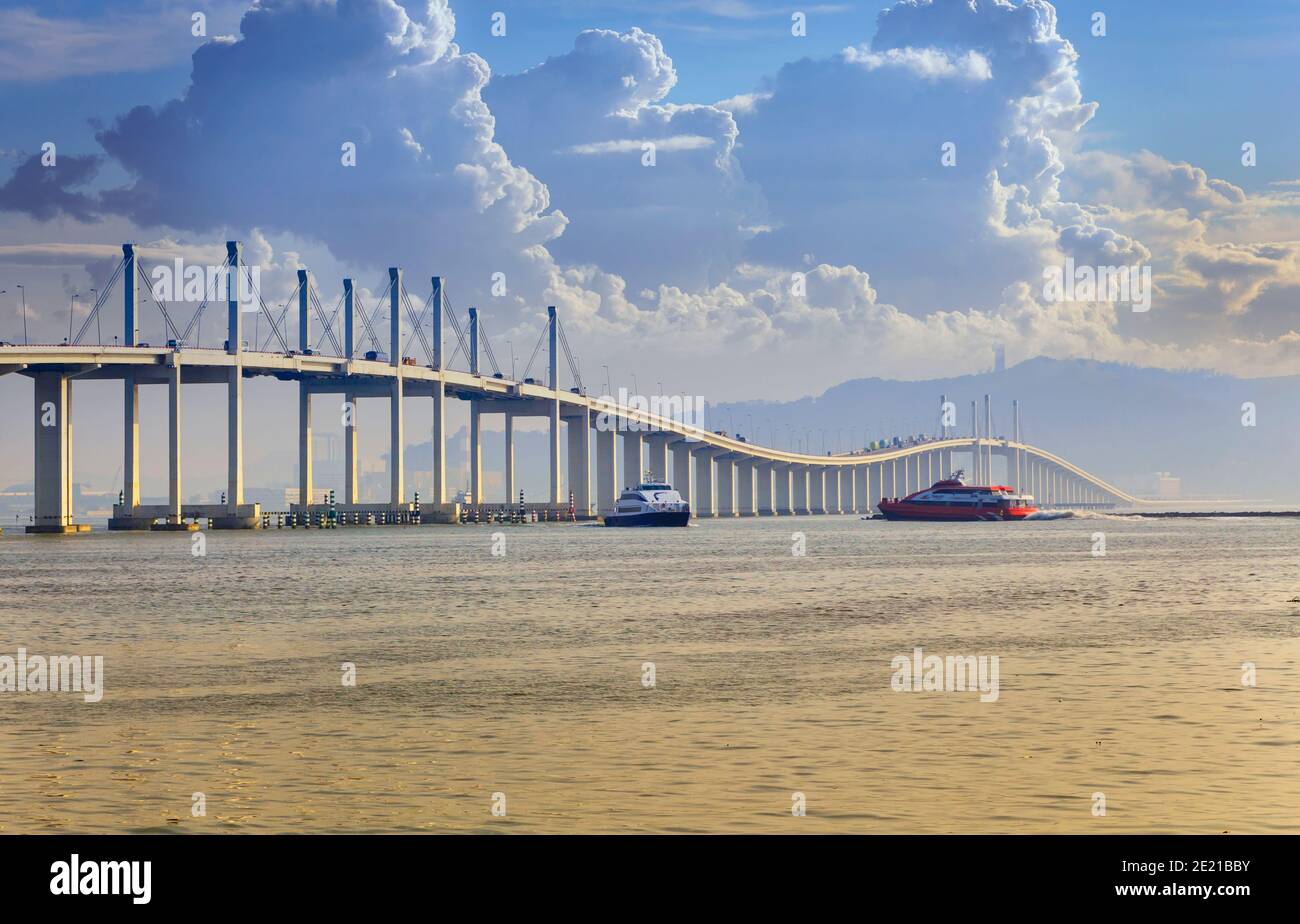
722 475
610 445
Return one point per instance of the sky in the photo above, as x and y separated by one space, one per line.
880 195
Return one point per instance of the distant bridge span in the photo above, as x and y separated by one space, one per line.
721 474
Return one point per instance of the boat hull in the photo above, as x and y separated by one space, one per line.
930 513
650 518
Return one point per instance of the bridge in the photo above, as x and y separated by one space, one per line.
721 475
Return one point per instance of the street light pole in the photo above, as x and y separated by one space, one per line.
24 289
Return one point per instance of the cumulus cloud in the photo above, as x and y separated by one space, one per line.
927 63
681 219
833 168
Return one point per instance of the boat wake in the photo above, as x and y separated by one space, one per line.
1074 515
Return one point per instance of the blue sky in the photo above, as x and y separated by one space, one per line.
1174 77
798 225
779 156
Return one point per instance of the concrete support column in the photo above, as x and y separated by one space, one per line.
632 455
476 452
782 505
706 501
439 398
657 450
351 458
510 458
816 489
799 489
305 486
439 443
130 443
553 383
607 486
748 472
53 442
553 447
234 438
683 472
862 488
397 443
726 485
580 463
763 489
173 442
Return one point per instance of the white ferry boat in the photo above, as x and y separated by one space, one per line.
651 503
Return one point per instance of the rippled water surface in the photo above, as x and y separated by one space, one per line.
522 675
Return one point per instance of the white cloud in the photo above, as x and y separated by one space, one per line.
624 145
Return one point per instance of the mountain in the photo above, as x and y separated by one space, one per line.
1122 423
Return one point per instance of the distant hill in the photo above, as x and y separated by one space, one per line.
1121 422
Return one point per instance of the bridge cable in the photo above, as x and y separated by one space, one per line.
417 323
365 320
487 346
266 311
460 333
167 318
536 349
334 316
568 354
325 321
99 302
208 293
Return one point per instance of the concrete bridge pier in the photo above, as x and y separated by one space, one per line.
607 484
657 453
174 495
725 464
509 463
633 454
553 450
831 491
125 515
763 472
476 451
305 480
799 489
782 505
53 398
706 501
684 472
746 472
580 463
816 489
862 488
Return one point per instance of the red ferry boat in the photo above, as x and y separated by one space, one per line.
951 500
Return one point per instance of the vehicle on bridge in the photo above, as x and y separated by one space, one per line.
951 500
651 503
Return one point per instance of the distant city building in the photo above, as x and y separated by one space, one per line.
1163 484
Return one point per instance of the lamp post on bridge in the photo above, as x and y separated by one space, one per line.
71 308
